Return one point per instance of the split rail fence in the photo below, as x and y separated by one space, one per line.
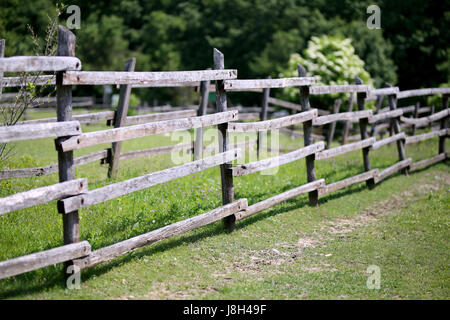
74 194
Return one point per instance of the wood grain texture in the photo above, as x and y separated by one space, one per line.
81 118
279 198
42 195
338 89
274 123
132 185
343 116
422 92
428 162
148 78
18 81
393 169
348 182
130 245
256 166
426 136
231 85
43 259
40 130
142 130
39 63
395 137
333 152
385 115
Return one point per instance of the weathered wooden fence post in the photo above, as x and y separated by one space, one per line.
443 124
262 117
226 168
415 116
120 119
379 103
198 144
332 126
308 139
348 124
395 125
363 122
66 169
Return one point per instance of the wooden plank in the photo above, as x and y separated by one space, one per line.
343 116
428 162
268 203
274 123
338 89
18 81
177 228
345 148
267 83
81 118
386 115
439 115
52 168
380 143
40 130
260 165
393 169
132 185
148 78
142 130
43 259
39 63
146 118
42 195
120 120
348 182
249 116
168 84
424 121
422 92
426 136
384 91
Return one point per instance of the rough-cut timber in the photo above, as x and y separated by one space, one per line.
40 130
338 89
128 186
393 169
142 130
345 148
347 182
342 116
252 167
426 136
43 259
268 203
148 78
249 116
386 115
424 121
274 123
422 92
129 245
231 85
18 81
428 162
42 195
81 118
36 64
395 137
384 91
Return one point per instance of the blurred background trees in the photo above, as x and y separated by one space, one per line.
257 37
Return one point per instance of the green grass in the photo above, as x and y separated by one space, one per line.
262 258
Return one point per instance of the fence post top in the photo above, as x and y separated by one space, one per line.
301 70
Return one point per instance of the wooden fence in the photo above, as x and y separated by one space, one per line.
74 194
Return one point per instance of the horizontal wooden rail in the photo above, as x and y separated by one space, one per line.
132 185
142 130
148 78
338 89
231 85
428 162
40 130
422 92
268 203
393 169
43 259
384 91
39 63
426 136
385 115
249 116
423 121
42 195
345 148
347 182
81 118
19 81
274 123
395 137
146 118
343 116
252 167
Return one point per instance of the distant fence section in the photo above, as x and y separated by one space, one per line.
74 194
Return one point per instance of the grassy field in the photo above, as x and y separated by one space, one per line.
291 251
